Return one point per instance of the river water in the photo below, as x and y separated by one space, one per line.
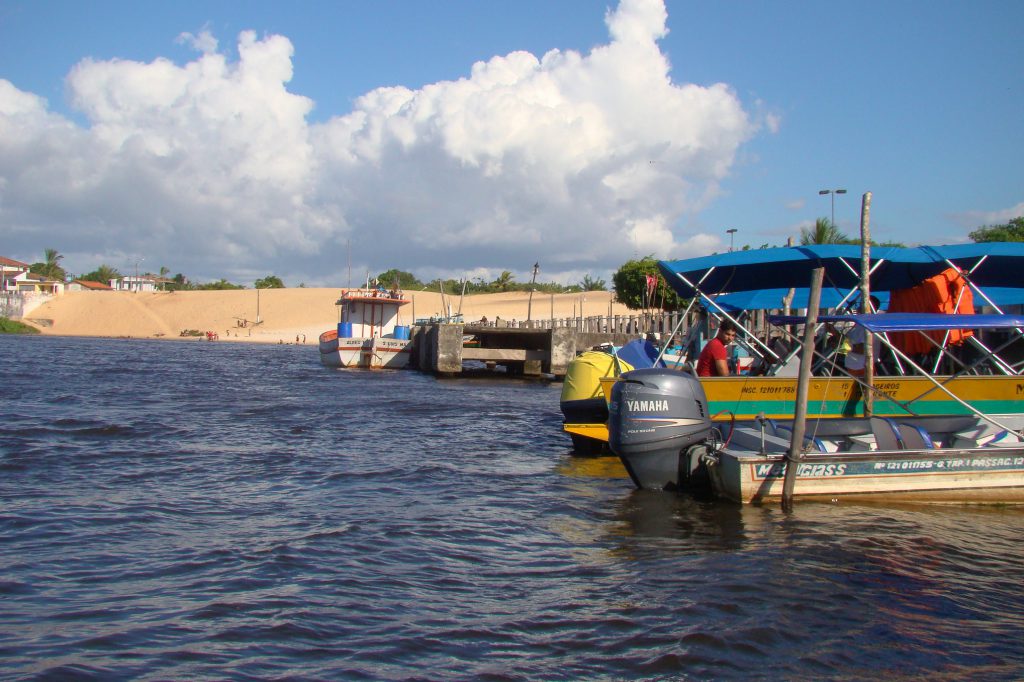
173 510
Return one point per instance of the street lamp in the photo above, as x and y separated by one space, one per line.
137 260
731 231
833 192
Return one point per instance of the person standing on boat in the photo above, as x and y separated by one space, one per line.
856 337
714 359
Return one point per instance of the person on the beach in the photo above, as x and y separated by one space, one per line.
714 359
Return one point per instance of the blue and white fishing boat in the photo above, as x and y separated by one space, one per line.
368 334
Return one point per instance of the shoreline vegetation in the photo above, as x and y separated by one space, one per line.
297 315
9 326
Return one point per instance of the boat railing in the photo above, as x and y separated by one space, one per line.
363 293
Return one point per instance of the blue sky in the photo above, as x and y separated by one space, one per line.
580 162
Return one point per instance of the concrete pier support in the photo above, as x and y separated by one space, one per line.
448 359
521 351
561 350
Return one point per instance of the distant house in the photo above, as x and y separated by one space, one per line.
31 283
163 283
133 283
86 285
10 269
11 264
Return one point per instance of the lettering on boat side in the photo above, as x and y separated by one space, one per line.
777 470
896 467
888 388
952 464
769 390
666 421
981 463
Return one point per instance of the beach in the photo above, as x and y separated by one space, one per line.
284 315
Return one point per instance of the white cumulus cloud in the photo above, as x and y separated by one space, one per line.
212 167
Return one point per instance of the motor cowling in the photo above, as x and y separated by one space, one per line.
658 424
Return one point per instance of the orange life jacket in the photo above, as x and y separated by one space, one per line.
947 293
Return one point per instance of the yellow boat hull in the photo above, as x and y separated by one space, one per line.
744 397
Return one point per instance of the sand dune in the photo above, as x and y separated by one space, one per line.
284 313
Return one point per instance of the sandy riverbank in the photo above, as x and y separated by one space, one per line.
285 313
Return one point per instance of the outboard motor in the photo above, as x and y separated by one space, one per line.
659 427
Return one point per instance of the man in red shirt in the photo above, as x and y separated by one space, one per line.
714 359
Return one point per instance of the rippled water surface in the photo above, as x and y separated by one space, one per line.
229 511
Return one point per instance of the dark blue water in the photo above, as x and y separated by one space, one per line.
174 510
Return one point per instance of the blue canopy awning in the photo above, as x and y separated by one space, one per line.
1001 265
772 299
905 322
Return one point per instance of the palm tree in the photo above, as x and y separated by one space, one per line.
590 284
51 268
504 280
823 232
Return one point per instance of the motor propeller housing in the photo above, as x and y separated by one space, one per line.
655 416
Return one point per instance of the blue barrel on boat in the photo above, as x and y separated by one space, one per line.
344 330
402 332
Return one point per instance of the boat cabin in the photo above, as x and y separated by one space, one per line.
368 313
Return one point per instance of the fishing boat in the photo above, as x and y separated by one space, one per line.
661 428
731 284
368 334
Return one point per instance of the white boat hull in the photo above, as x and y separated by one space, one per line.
974 475
367 353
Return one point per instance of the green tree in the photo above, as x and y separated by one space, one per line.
222 285
631 288
406 280
823 232
589 284
1012 231
180 283
269 282
103 273
51 267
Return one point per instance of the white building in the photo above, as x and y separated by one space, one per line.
133 283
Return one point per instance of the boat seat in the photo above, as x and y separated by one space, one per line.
915 438
746 438
1004 439
887 434
982 435
810 442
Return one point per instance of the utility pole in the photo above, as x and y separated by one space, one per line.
529 303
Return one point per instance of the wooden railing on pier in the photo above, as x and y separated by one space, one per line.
639 324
